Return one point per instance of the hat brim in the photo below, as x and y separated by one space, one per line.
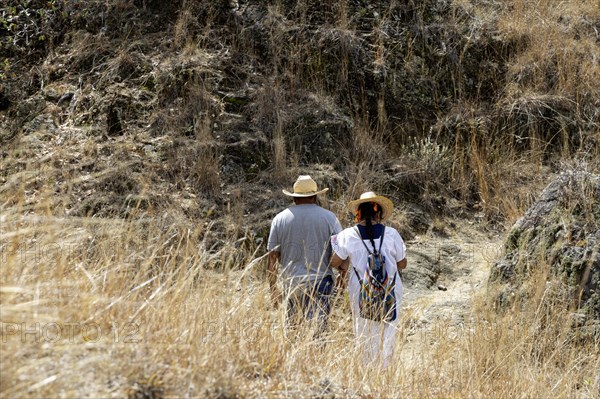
386 205
304 195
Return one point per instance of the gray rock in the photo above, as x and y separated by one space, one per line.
561 232
66 98
578 319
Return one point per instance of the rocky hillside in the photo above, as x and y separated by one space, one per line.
559 239
202 108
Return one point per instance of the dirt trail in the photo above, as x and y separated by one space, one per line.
447 274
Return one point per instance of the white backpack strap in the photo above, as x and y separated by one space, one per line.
381 239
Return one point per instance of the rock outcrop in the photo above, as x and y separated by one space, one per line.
559 237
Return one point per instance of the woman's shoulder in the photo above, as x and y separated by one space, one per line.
347 232
389 230
343 239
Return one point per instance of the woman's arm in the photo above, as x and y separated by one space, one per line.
400 248
401 264
341 265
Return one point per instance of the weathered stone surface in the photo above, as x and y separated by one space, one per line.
560 232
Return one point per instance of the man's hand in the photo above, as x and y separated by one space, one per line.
272 278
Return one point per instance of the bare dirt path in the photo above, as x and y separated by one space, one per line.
447 274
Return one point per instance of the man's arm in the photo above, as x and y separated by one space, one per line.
273 261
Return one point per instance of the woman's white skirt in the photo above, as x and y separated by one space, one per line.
375 339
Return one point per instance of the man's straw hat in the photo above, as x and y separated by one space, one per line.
305 186
387 206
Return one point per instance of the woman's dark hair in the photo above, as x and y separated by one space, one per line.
367 213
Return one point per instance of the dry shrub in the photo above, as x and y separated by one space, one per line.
430 159
269 113
518 182
188 78
543 124
194 164
125 66
552 77
87 52
181 33
368 144
194 158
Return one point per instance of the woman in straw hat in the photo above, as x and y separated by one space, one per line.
372 254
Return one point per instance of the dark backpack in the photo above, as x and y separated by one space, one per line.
376 299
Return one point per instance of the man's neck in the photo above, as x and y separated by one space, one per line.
304 201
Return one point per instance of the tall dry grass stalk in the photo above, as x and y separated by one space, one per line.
206 169
181 34
114 308
279 152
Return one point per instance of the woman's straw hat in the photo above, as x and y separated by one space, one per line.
305 186
387 207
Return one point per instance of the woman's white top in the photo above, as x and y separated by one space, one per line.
347 244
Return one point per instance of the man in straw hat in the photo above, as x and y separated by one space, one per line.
299 241
376 254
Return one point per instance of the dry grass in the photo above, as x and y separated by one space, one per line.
548 26
181 34
555 67
546 108
113 308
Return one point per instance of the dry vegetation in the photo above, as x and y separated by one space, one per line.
101 308
134 216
